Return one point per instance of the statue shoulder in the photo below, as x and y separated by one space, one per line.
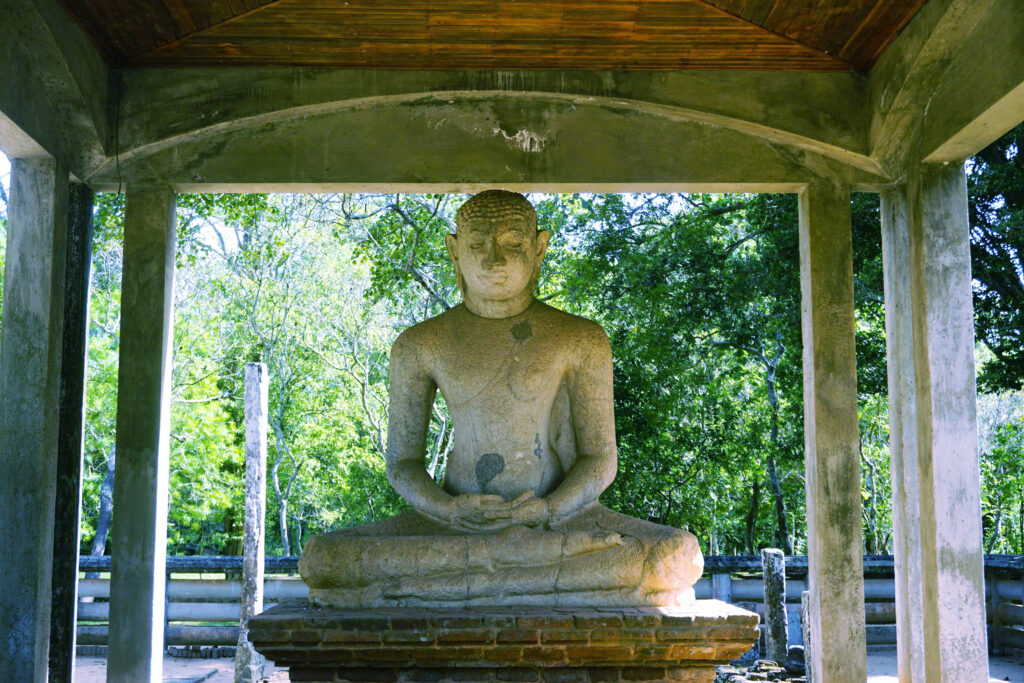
576 329
423 336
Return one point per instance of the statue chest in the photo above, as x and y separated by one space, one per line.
500 377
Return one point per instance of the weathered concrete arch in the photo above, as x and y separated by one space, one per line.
821 113
464 140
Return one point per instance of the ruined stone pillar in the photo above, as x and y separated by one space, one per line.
776 620
143 412
837 652
30 360
940 597
249 664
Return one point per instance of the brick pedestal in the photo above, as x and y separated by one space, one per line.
504 643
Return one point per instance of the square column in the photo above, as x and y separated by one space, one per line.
940 595
143 423
30 361
838 650
68 501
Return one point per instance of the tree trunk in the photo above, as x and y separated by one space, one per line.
997 529
282 524
871 540
99 541
283 493
781 525
751 529
1020 525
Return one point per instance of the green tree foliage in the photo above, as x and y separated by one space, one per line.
996 194
699 294
701 297
255 281
1002 476
1001 439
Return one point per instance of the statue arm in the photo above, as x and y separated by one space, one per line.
412 393
593 417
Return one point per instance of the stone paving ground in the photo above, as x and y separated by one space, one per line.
176 670
881 669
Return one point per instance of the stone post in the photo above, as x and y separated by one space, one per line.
776 621
68 503
143 421
30 352
995 620
721 587
805 626
940 594
249 664
838 651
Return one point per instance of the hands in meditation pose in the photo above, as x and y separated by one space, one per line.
517 521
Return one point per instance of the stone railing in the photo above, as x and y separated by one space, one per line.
190 597
214 602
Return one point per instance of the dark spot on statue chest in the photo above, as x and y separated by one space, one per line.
488 467
522 331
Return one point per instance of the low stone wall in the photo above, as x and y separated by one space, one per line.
504 643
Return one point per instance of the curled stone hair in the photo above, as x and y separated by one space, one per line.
496 204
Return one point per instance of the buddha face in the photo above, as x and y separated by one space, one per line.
497 250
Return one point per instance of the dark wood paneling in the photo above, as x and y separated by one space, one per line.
855 31
484 34
754 11
617 34
125 29
865 45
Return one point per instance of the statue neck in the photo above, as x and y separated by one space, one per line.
495 309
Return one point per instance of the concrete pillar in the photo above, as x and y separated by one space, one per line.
68 502
837 651
249 664
143 410
30 352
940 598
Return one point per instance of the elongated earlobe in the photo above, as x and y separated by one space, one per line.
543 237
450 242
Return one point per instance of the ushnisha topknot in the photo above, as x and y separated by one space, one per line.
496 204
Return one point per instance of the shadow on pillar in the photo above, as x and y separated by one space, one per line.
68 499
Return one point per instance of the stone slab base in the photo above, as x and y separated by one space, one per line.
636 674
504 643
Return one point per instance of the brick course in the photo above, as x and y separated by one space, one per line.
547 645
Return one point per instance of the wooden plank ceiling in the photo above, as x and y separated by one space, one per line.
801 35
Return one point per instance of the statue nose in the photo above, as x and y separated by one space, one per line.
496 255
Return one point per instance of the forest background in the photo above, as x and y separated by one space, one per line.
700 295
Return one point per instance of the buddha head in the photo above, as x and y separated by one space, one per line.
497 251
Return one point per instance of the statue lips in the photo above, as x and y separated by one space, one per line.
496 277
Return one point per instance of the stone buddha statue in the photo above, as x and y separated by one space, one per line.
517 521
